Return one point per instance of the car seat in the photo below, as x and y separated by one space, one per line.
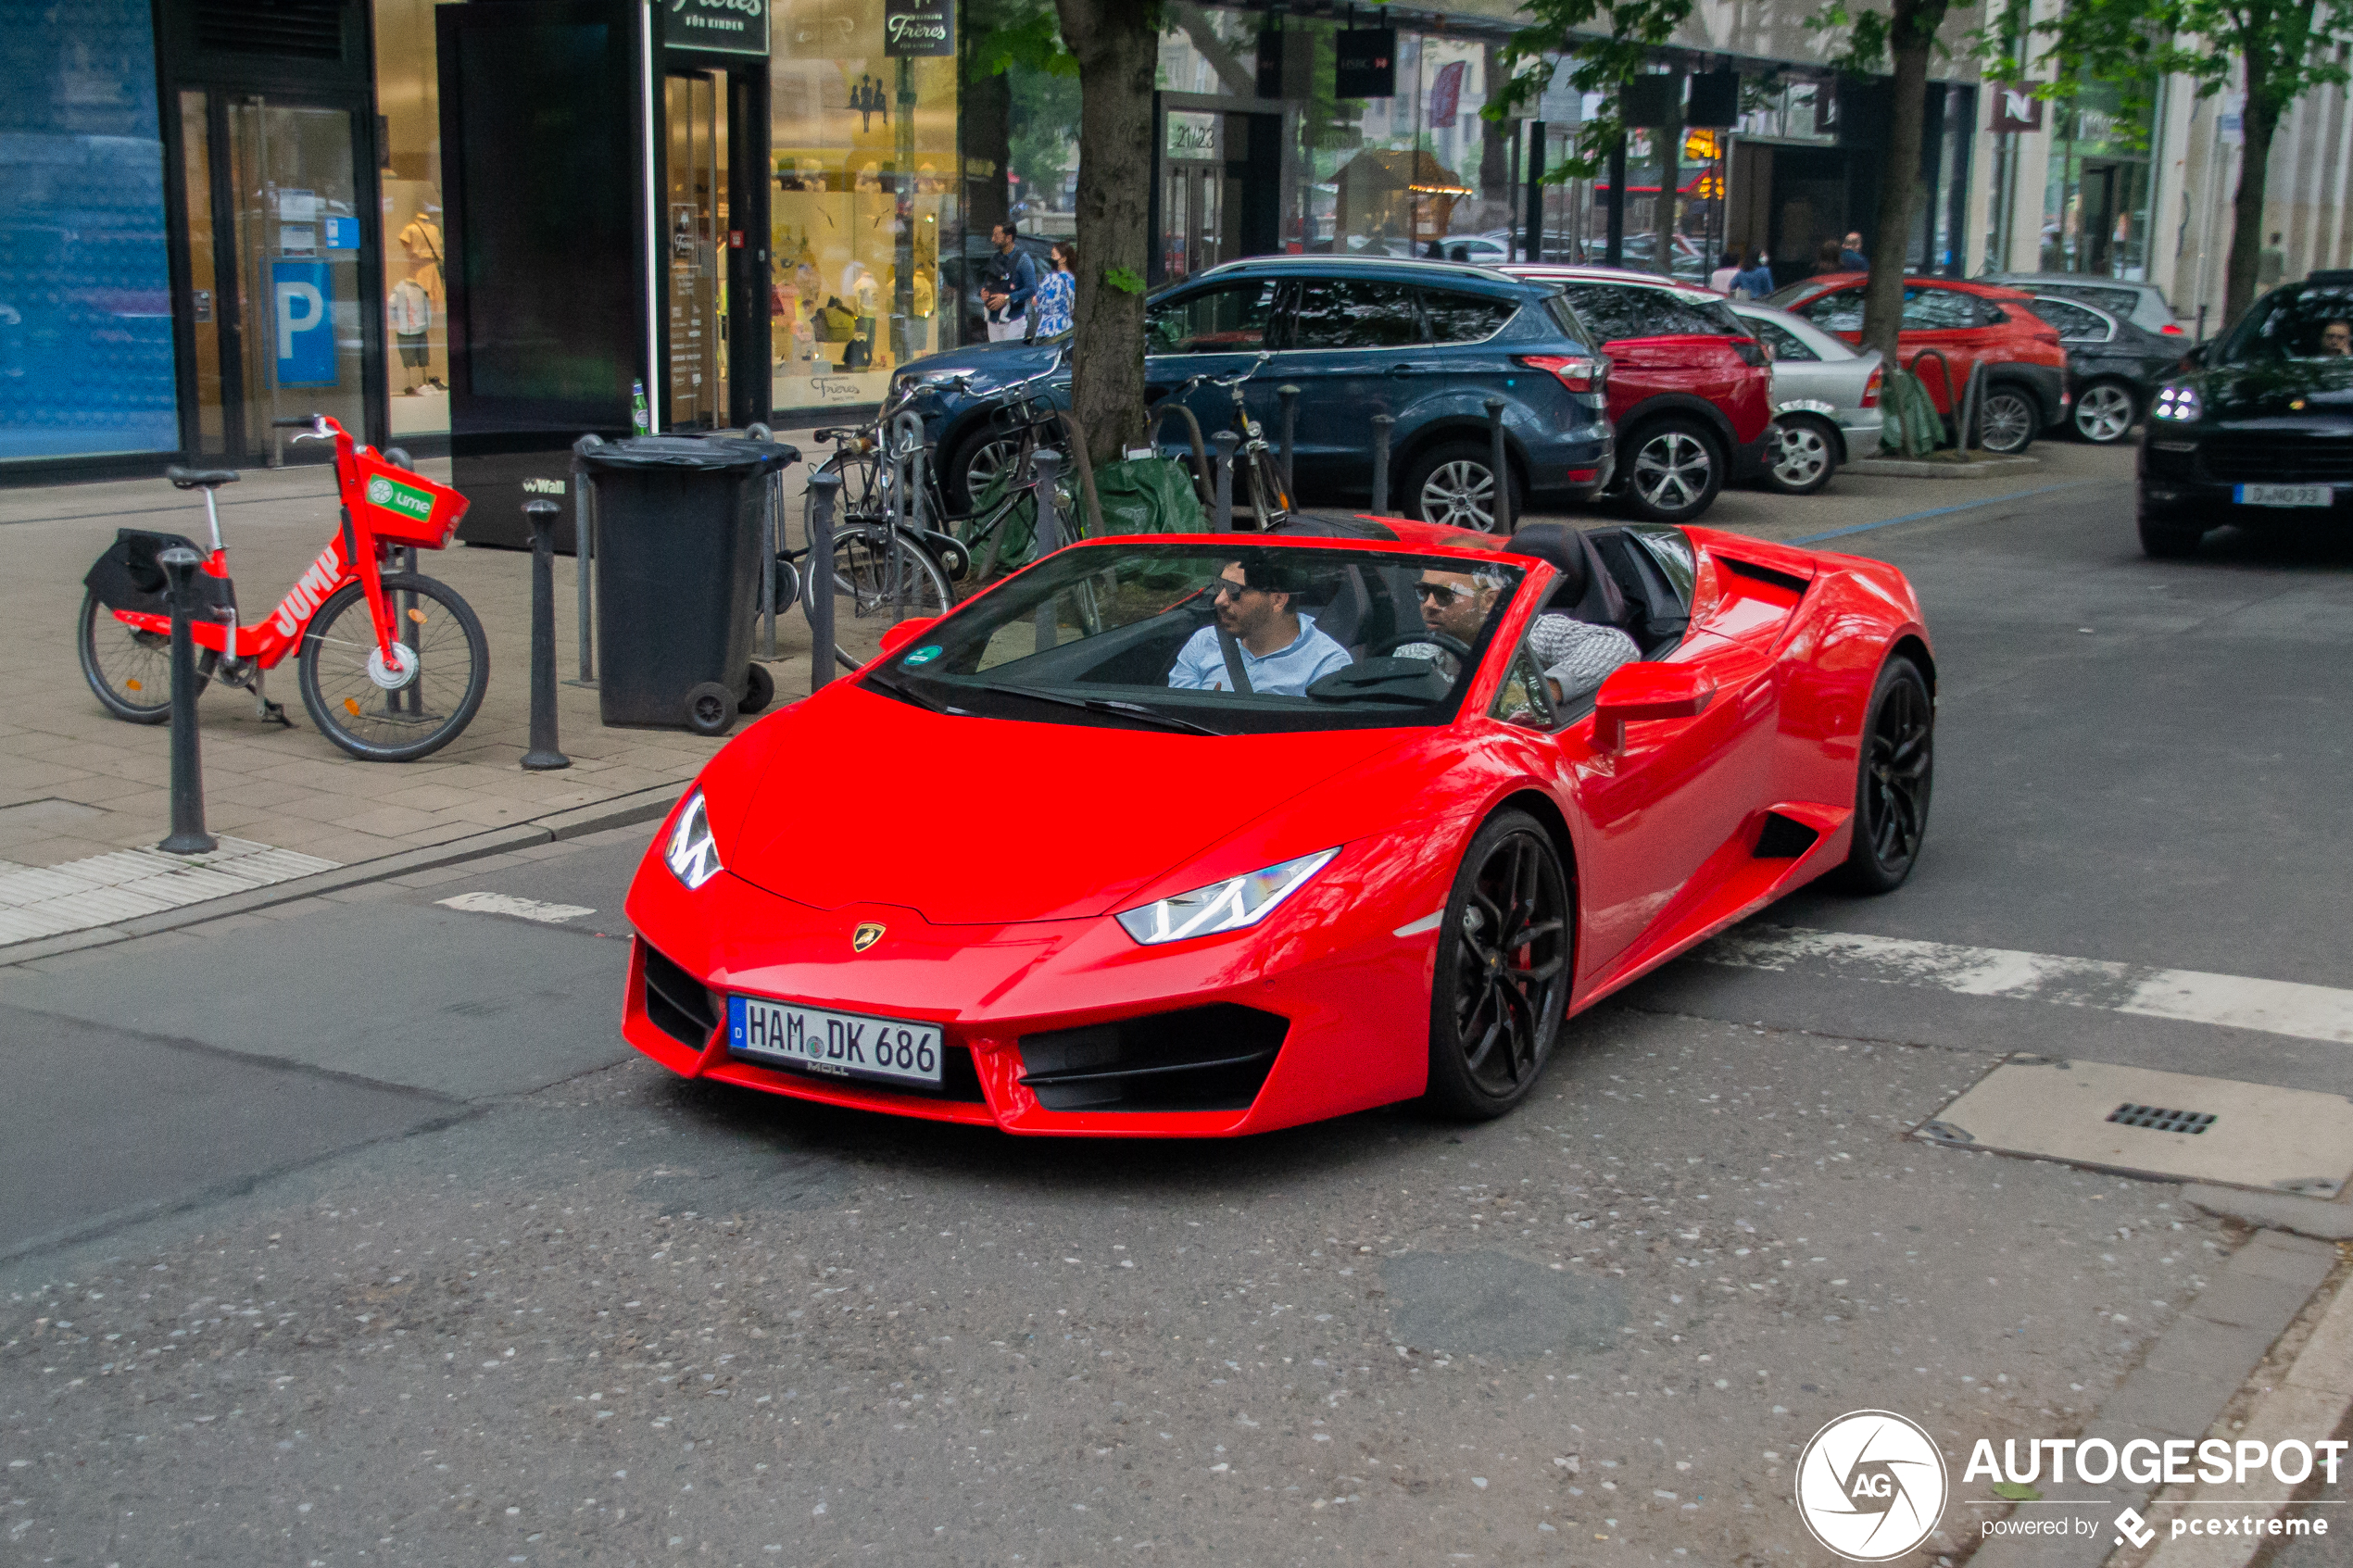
1586 589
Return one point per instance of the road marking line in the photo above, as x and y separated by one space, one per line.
521 908
126 883
1942 511
2230 1001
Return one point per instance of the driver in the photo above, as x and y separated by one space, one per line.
2337 340
1276 649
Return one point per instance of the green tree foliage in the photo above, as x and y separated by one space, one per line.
2277 50
1605 44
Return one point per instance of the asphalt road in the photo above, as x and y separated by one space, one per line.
354 1234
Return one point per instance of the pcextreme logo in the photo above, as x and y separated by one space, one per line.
1872 1485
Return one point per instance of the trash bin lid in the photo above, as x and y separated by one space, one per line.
705 453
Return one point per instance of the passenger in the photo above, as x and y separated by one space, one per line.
1276 648
2337 340
1576 655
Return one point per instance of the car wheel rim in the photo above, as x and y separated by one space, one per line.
1897 777
986 464
1460 494
2104 413
1511 964
1672 470
2004 425
1803 456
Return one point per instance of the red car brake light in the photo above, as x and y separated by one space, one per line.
1579 373
2170 329
1870 388
1751 351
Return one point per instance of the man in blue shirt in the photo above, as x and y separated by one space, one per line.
1259 643
1851 257
1015 273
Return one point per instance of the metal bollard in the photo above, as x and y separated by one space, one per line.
188 836
1289 394
1500 462
584 555
1381 423
1225 441
544 755
825 491
1049 534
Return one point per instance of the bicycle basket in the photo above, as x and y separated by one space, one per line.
402 507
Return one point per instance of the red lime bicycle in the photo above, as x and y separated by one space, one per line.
392 665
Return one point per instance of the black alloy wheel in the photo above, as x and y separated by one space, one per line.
2006 422
1893 779
1500 991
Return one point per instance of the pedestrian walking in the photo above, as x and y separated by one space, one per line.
1012 284
1754 280
1852 257
1728 266
1827 259
1058 289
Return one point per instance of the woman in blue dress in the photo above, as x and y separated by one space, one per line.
1057 289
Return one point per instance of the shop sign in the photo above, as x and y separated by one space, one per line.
1367 63
1192 135
2016 108
302 291
916 27
717 27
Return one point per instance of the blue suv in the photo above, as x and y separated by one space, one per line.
1426 341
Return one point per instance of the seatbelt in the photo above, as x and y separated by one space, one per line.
1232 649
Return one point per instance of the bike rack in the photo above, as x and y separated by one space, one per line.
1159 412
1952 397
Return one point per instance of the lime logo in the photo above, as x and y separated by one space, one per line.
395 497
1872 1485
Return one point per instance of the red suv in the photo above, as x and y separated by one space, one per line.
1690 392
1966 324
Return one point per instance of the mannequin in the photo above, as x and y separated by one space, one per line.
416 297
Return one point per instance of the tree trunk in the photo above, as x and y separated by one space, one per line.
1118 50
2260 122
1910 33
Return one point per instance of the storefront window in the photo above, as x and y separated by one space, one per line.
416 333
85 292
864 156
2097 197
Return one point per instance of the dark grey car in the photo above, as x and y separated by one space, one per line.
2113 367
2142 304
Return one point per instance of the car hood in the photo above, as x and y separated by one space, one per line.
2258 390
859 798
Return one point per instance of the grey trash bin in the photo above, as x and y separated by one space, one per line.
678 562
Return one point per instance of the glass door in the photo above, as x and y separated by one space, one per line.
697 308
274 264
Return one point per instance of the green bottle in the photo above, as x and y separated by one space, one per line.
638 418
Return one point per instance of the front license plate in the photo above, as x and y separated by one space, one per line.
2281 495
838 1044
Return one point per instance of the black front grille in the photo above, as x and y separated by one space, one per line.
1213 1057
305 30
678 1003
2286 457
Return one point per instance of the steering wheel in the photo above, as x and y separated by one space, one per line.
1455 646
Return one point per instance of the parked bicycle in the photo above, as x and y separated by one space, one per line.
392 665
1258 478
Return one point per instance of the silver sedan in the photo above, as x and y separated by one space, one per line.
1819 385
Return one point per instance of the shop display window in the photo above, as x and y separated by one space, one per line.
416 300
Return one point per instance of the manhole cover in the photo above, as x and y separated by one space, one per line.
2133 1120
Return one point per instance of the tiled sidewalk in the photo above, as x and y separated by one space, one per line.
76 783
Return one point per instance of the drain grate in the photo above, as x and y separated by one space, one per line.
2160 1121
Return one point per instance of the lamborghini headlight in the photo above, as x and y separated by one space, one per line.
1224 906
692 854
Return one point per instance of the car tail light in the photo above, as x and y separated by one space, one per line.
2050 338
1751 351
2170 329
1583 476
1579 373
1870 388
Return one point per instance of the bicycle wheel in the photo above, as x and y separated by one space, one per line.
863 592
865 492
425 713
1268 504
130 671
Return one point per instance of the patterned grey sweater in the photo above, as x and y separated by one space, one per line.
1577 655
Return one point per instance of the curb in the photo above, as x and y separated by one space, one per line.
1904 467
2278 1211
2187 1380
624 810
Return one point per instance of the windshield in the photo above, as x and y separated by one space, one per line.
1249 638
2306 323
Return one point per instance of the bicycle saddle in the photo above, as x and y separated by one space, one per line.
191 479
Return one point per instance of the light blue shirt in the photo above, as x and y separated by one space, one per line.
1288 672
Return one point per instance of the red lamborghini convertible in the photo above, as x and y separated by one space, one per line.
1209 834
